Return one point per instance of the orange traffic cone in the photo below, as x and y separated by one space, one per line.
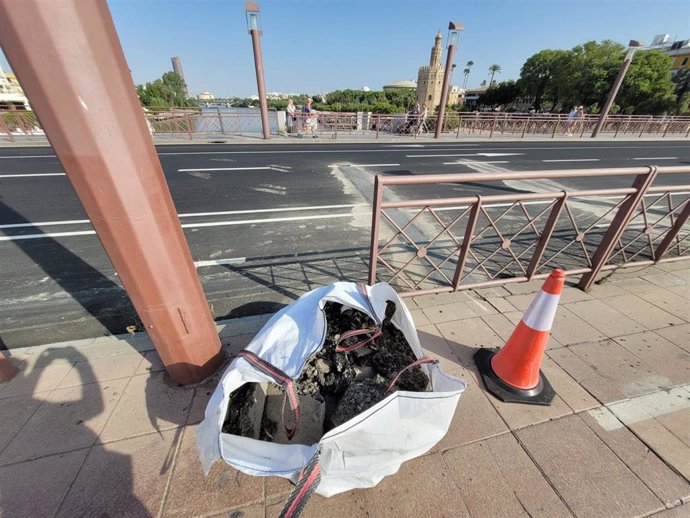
7 370
513 373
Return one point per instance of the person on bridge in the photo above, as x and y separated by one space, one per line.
291 118
310 119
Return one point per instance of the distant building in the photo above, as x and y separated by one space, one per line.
177 68
471 95
366 89
456 95
205 96
401 85
430 78
679 51
11 94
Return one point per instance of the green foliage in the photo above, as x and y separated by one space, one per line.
585 74
682 85
493 70
166 92
501 94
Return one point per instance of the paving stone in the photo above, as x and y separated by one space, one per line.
449 312
683 291
466 336
631 374
604 318
569 390
668 301
588 377
149 404
475 418
419 318
664 279
606 289
643 312
351 503
661 421
519 416
101 369
425 301
572 294
15 412
631 282
591 479
427 476
673 266
496 478
435 345
36 488
276 489
253 511
151 362
675 512
492 291
198 407
35 380
521 288
667 359
68 419
665 484
679 335
568 328
521 302
504 325
192 494
501 304
125 478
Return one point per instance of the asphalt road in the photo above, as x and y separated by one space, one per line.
264 222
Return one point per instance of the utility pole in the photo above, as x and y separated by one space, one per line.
632 47
71 65
454 29
254 27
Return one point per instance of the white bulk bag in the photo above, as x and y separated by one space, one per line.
361 451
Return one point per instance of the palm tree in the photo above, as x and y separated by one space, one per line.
469 65
494 69
467 75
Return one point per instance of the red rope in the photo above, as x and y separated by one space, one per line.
426 359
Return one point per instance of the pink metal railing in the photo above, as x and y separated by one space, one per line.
444 244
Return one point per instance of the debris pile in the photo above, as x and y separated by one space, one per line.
334 386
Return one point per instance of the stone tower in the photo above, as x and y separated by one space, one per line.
430 78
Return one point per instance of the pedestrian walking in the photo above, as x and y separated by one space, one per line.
570 121
422 119
310 122
291 117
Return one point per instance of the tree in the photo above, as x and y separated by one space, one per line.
494 69
467 71
168 91
682 84
502 94
543 75
647 88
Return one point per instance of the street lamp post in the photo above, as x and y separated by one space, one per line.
632 47
454 29
254 28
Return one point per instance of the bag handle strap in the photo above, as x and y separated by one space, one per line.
307 482
282 379
426 359
375 333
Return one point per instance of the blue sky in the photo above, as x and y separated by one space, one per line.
322 45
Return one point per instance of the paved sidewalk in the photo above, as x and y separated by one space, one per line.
92 428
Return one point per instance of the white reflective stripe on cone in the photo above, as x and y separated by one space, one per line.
540 314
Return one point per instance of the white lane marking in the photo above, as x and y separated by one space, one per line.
30 175
196 214
196 169
374 165
658 158
574 160
466 154
266 220
186 225
220 262
477 162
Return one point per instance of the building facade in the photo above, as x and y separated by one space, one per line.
205 96
430 78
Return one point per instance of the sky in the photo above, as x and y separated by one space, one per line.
316 46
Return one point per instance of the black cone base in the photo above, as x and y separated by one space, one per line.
542 394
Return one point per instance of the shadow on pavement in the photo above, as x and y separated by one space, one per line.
106 300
